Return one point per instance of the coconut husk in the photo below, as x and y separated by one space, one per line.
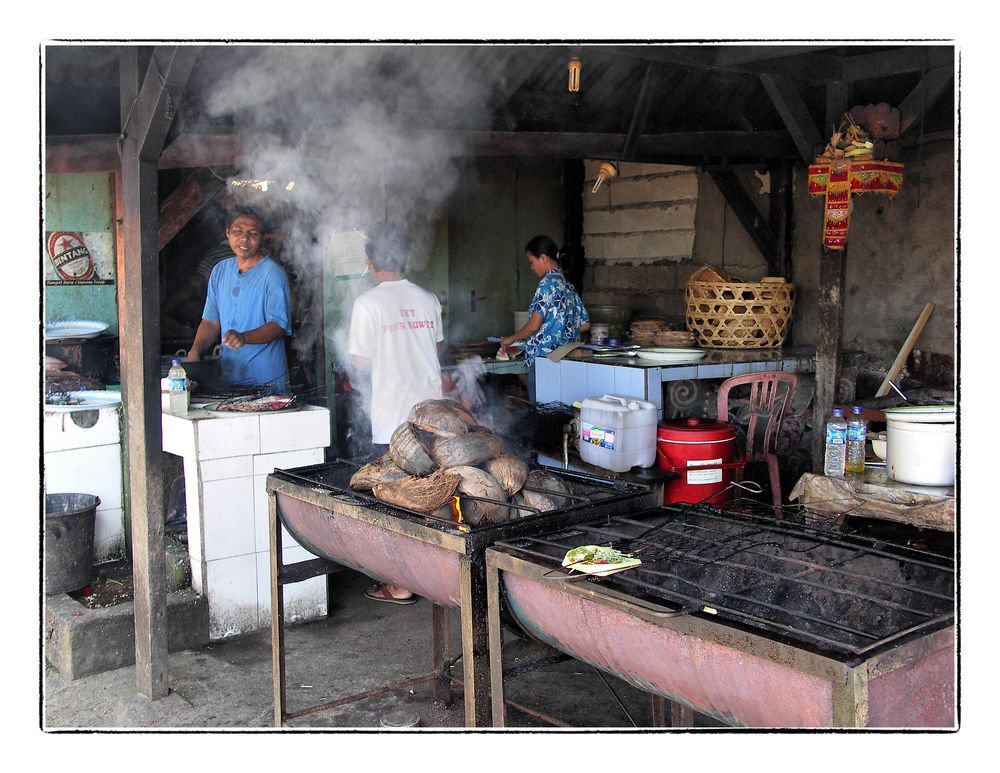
472 448
542 490
381 470
479 483
442 418
510 472
425 495
407 452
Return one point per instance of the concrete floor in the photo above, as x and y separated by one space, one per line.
363 646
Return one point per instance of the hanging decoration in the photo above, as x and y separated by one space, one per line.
847 167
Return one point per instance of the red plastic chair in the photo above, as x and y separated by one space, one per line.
770 394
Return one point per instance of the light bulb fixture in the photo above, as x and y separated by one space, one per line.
575 65
260 185
606 171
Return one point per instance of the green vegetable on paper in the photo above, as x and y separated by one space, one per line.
597 554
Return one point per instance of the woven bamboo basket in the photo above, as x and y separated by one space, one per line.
740 315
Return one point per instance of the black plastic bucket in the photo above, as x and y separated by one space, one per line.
69 541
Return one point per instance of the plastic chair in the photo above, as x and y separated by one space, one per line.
770 394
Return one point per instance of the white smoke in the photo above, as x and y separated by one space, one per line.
355 135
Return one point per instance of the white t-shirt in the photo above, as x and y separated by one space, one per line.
397 326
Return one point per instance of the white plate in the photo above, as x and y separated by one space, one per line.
83 328
671 355
93 399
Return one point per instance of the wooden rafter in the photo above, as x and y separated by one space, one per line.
923 97
200 187
753 221
642 105
793 111
194 150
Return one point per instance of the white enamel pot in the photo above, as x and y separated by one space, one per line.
920 445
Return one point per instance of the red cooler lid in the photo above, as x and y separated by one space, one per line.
694 429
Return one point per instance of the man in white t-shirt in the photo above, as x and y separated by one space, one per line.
395 336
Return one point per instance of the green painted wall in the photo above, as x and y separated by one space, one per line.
82 203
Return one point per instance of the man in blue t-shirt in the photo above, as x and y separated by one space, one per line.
249 309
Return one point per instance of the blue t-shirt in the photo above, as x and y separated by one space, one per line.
243 302
562 311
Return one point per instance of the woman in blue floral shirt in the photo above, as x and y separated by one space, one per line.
557 313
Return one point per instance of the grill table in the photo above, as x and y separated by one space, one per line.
435 558
755 621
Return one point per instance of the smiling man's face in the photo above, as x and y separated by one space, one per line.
244 235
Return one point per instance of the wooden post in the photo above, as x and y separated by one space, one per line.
140 335
829 332
148 112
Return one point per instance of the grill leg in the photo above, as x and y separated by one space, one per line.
475 670
496 646
277 616
440 650
681 715
658 708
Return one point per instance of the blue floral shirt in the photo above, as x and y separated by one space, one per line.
562 314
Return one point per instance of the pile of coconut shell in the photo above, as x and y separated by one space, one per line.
440 457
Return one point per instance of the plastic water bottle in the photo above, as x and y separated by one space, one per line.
178 389
836 445
857 433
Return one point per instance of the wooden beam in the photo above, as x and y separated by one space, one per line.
751 218
153 111
727 56
829 332
793 111
148 114
781 214
200 187
641 111
839 97
898 61
923 97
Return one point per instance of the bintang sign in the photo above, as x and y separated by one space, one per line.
79 258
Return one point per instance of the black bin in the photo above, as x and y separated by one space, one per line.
69 541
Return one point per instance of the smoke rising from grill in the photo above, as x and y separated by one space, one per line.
353 127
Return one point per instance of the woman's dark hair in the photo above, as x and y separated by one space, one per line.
543 245
388 247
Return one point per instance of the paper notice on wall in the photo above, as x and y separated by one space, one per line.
346 252
79 258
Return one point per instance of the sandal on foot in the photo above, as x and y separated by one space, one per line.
381 593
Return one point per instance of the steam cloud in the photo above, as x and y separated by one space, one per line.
356 138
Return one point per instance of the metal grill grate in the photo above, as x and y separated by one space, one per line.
839 592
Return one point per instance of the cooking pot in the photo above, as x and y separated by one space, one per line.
920 444
703 451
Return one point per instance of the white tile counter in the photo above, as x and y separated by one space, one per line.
226 462
83 455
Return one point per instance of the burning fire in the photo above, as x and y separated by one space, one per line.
456 509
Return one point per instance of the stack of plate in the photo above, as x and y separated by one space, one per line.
654 332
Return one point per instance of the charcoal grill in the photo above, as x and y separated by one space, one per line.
434 557
752 619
